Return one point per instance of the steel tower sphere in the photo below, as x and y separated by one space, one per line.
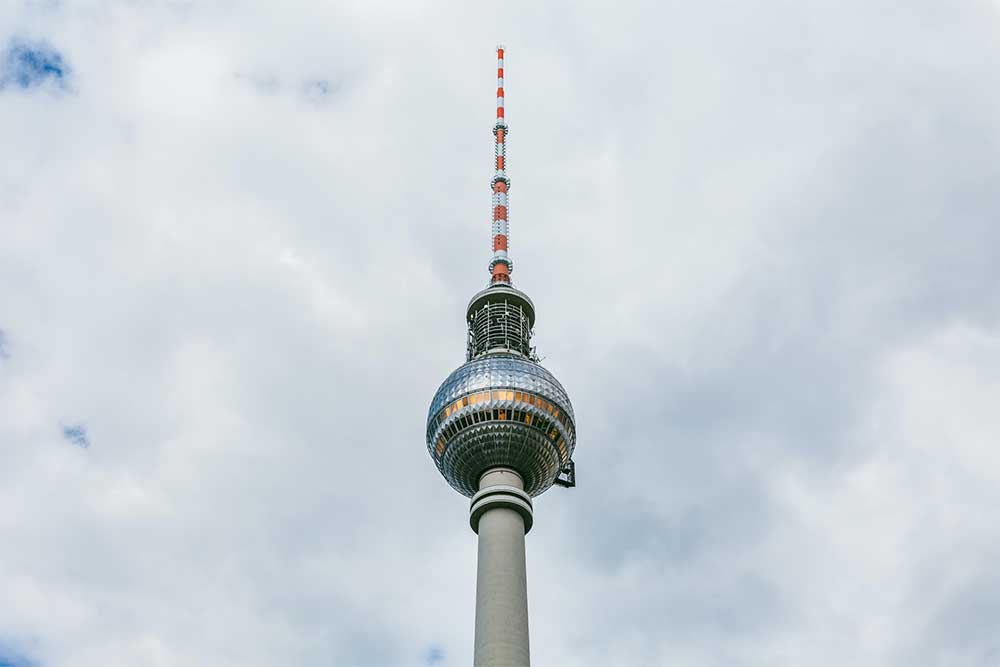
501 409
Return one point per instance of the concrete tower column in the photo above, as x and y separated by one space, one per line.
501 514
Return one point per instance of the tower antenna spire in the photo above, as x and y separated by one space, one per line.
500 265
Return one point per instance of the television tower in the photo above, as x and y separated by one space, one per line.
501 431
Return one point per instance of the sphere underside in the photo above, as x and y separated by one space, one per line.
501 411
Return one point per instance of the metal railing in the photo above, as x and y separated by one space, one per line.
499 326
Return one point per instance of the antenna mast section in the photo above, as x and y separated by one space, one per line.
500 265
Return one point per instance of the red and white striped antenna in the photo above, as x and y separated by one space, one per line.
500 265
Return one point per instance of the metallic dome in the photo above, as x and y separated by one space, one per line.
501 410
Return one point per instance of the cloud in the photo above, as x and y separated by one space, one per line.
762 248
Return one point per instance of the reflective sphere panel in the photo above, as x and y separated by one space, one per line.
501 411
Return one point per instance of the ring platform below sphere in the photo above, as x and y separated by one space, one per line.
501 410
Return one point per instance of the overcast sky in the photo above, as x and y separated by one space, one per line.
236 244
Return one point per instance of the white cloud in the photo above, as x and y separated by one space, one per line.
762 246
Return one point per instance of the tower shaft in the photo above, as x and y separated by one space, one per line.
501 580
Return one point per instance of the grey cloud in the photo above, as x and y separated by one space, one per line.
962 630
762 248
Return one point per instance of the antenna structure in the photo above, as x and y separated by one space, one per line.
501 430
500 265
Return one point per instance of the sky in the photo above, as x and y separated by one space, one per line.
236 244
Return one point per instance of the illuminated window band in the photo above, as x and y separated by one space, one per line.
502 405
